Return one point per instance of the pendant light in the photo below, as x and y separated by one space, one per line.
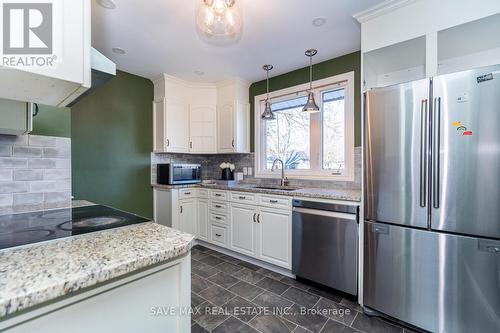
268 113
311 106
219 22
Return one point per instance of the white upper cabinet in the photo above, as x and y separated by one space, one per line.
171 126
233 117
200 118
405 40
70 75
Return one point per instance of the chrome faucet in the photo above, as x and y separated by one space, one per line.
284 180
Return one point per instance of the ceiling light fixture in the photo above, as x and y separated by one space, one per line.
268 113
118 50
108 4
311 106
219 21
319 21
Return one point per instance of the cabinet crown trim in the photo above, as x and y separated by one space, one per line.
381 9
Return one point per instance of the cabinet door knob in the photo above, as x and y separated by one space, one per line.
168 142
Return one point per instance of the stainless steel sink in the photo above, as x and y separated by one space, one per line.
276 188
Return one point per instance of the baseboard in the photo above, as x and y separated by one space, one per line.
243 257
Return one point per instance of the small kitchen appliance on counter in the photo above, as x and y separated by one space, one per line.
178 174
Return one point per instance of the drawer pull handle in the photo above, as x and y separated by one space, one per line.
218 206
254 218
258 218
273 201
218 235
242 198
218 194
187 193
218 218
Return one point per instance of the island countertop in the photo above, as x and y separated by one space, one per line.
34 274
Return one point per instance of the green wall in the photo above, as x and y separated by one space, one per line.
52 121
112 137
344 64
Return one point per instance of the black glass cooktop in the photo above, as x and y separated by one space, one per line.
27 228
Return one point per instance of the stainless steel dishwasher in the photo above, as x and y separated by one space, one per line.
325 244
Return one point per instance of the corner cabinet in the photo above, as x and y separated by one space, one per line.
202 129
200 118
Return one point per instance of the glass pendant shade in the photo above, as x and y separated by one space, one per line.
311 106
219 21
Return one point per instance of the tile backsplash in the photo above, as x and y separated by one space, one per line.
210 165
35 173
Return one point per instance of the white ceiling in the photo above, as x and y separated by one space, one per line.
159 36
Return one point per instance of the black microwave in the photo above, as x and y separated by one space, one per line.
176 174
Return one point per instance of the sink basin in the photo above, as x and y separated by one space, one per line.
276 188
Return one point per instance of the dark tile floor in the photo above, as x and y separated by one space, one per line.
231 295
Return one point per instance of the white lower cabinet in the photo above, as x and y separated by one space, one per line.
187 216
202 221
243 219
258 226
218 235
275 236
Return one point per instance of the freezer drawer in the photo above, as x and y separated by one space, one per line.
325 247
439 282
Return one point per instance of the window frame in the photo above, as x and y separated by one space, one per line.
346 81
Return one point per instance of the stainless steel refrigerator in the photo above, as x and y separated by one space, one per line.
432 202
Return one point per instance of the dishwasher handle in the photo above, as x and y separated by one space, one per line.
344 216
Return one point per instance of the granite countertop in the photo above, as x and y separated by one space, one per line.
307 192
31 275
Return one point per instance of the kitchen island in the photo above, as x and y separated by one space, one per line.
115 280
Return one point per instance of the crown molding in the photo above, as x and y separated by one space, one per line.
381 9
192 84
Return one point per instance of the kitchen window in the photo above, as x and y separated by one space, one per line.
312 146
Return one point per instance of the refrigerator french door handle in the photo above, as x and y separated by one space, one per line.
424 106
436 154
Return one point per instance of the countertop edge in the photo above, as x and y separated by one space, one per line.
10 306
306 192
